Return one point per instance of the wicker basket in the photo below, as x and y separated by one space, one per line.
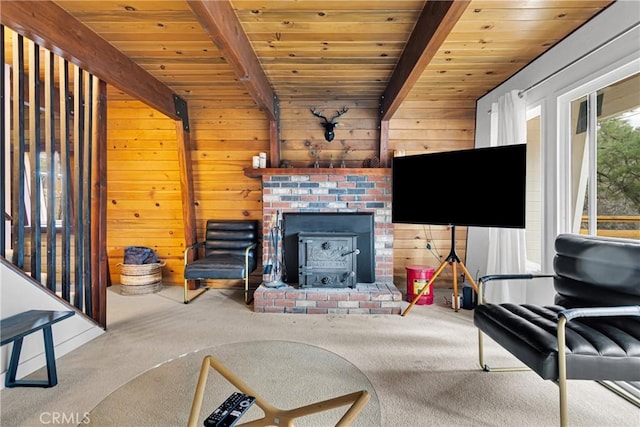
138 279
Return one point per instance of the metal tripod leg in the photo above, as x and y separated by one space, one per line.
455 284
454 260
425 287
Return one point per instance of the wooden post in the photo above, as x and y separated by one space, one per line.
50 150
18 169
274 143
384 144
99 258
78 183
34 159
186 178
65 172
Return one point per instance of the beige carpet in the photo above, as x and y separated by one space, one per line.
285 373
423 367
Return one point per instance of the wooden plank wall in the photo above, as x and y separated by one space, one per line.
143 177
224 142
144 186
357 134
424 127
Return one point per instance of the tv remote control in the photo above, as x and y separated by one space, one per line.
230 411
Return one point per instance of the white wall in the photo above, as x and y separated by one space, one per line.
17 294
620 16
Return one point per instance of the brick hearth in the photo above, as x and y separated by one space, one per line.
325 191
365 298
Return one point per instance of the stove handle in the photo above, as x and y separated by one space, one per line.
348 275
355 251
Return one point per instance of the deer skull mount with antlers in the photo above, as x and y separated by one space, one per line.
329 125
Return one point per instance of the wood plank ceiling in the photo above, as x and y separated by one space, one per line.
334 49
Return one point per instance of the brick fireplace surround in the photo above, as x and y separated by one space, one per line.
331 190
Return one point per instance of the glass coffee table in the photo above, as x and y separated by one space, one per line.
273 416
315 386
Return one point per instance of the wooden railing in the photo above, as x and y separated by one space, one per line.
57 110
625 226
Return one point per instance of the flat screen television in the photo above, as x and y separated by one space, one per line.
483 187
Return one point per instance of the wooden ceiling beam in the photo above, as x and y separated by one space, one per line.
434 25
52 27
225 30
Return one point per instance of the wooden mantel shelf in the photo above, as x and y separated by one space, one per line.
257 173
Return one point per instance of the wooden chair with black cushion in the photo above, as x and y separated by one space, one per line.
229 251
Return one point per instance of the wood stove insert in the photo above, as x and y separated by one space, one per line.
360 224
327 260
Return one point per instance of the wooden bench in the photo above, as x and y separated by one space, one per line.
15 328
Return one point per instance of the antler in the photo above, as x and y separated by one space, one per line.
340 113
317 114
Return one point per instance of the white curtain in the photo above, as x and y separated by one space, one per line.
507 246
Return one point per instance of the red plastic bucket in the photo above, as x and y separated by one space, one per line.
417 278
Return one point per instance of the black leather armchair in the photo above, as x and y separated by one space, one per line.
229 251
593 330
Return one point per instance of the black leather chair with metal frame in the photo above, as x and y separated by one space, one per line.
229 251
592 332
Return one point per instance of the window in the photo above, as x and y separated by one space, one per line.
44 188
605 160
44 182
600 167
533 228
